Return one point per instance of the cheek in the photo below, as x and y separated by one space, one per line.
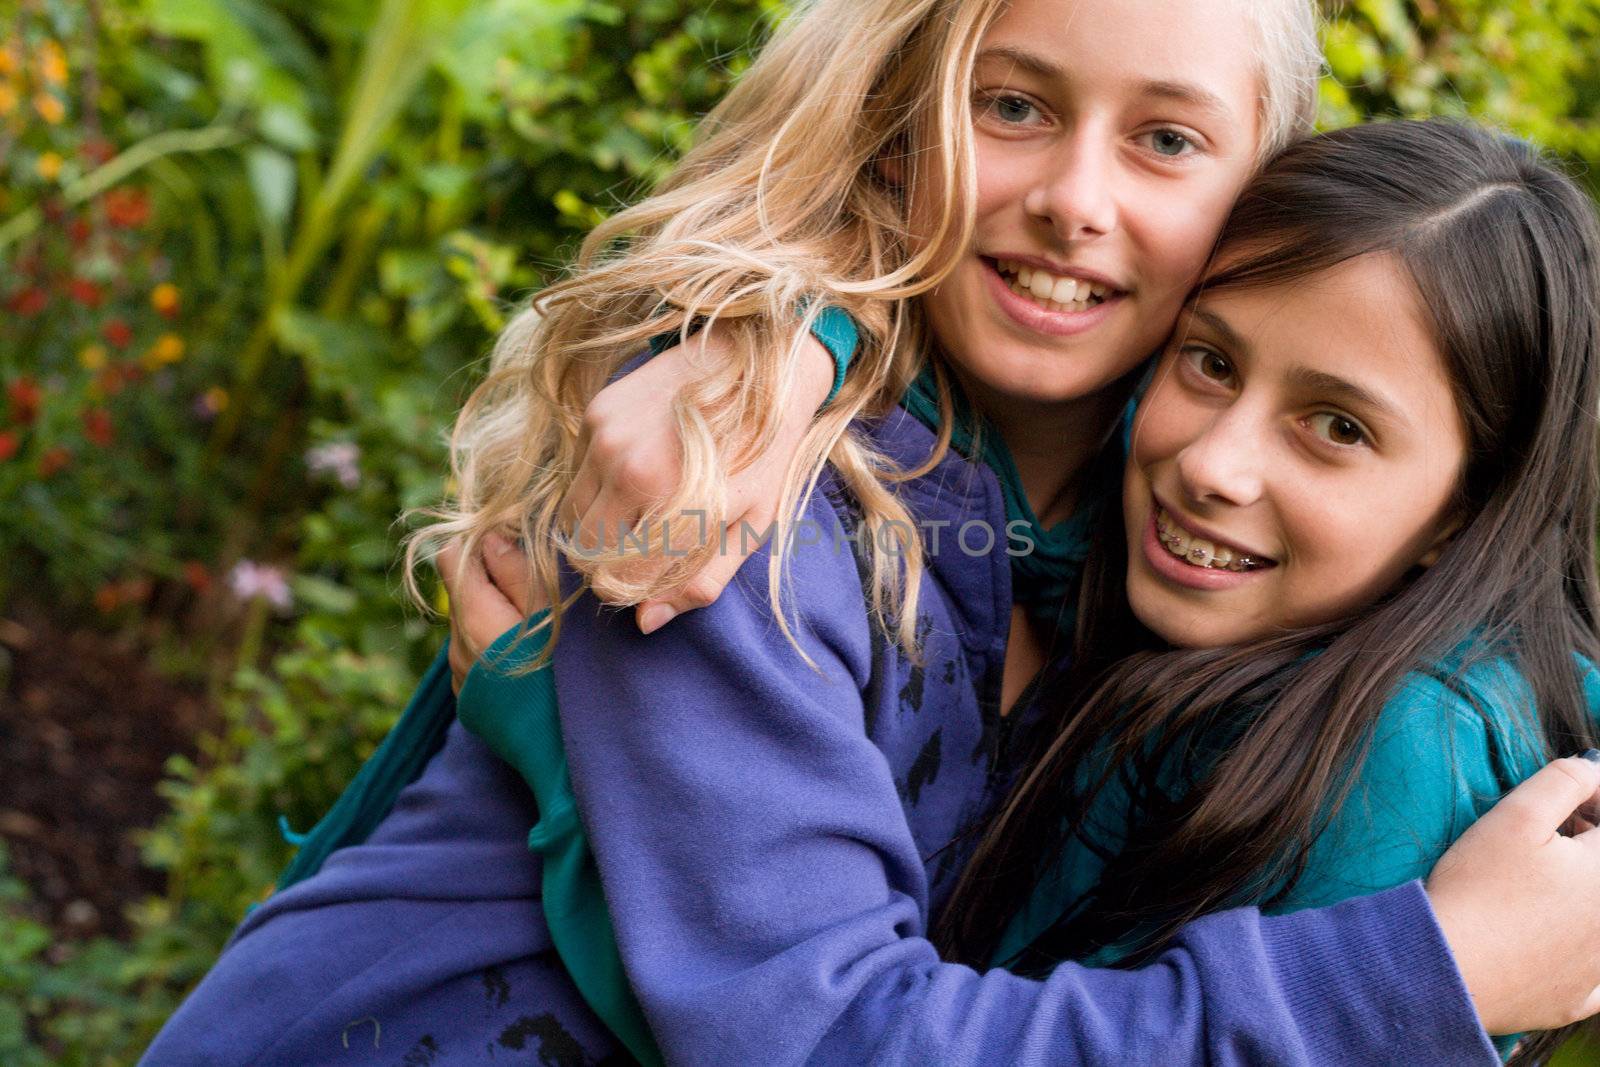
1166 422
1349 548
1176 230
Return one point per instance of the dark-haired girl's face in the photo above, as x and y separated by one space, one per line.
1297 454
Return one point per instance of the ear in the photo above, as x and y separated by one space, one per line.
890 167
1447 533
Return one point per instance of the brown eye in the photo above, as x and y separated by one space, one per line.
1338 430
1211 365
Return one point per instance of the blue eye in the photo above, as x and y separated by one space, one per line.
1170 143
1012 109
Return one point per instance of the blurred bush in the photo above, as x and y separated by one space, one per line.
251 255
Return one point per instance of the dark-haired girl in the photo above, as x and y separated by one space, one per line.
1354 564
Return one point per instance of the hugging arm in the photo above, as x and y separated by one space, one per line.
769 903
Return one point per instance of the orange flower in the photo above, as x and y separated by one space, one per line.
50 108
8 97
215 399
92 357
164 298
8 59
48 166
167 349
52 63
107 597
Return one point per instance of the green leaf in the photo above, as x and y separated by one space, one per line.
272 179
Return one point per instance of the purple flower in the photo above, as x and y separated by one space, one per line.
250 579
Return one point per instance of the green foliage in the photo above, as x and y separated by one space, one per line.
251 254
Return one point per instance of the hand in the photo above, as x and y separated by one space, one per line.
1520 904
489 594
630 459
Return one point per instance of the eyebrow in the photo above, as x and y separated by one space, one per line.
1307 379
1031 62
1342 390
1151 88
1186 93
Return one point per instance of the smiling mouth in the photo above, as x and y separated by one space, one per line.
1053 292
1199 552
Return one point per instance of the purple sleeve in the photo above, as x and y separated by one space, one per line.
768 900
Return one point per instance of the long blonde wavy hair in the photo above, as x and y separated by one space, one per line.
782 205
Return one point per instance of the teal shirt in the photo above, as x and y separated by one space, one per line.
1442 753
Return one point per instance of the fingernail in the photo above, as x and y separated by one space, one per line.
1593 755
655 617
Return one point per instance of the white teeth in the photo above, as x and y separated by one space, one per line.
1197 551
1056 292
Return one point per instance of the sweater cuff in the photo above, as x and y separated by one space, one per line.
1373 975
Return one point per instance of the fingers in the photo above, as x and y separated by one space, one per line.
1538 807
701 591
581 495
507 569
478 610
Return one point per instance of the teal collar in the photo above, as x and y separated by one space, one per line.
1045 580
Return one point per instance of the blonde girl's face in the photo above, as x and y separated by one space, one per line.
1112 137
1309 428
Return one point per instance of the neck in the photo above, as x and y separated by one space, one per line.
1053 442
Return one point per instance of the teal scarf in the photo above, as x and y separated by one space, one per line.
1045 580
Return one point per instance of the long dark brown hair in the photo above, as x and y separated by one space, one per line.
1270 736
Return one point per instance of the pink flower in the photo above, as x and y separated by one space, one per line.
339 458
250 580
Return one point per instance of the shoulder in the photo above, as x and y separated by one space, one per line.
1446 745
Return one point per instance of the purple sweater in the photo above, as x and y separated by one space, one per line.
769 838
762 829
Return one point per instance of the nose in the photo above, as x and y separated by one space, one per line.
1073 193
1226 464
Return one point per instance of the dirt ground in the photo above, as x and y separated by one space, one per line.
85 727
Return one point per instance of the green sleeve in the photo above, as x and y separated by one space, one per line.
1443 751
516 716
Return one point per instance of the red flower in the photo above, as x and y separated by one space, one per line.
98 150
25 395
107 597
9 443
118 333
79 231
196 576
97 427
86 292
110 381
127 208
28 302
53 460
